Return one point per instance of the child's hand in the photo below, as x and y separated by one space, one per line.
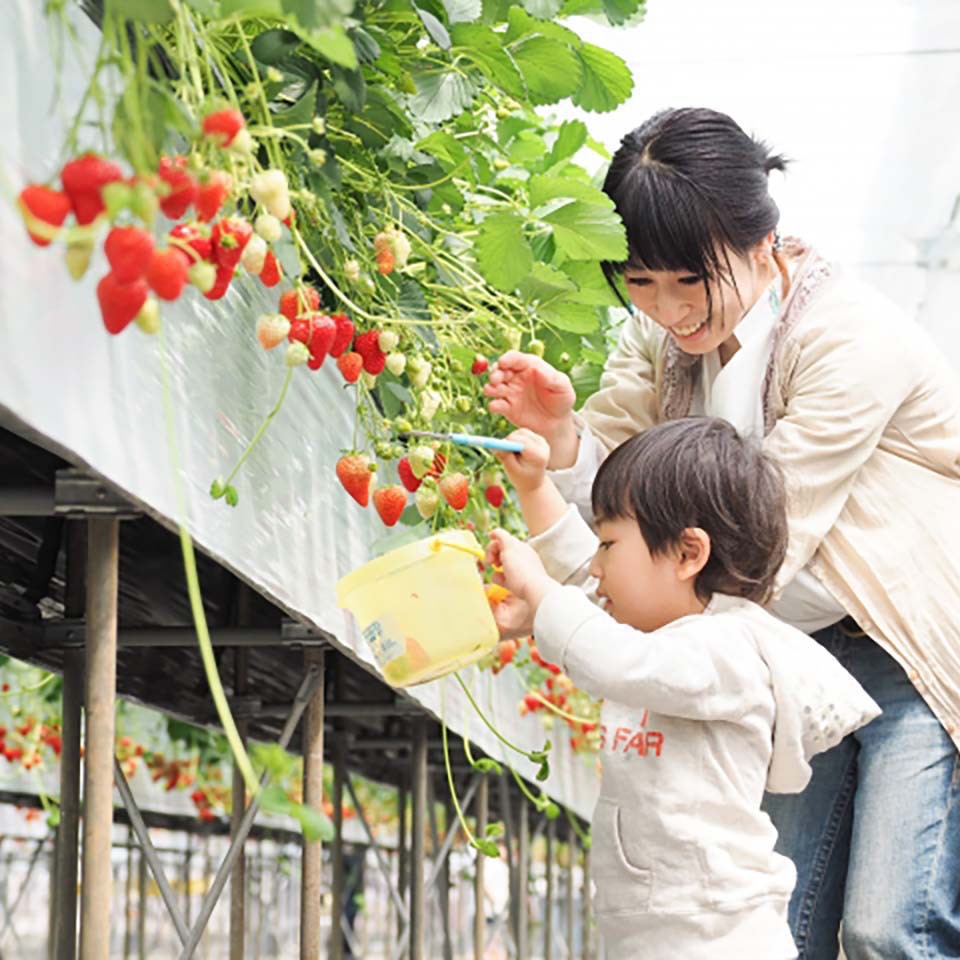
513 617
523 573
526 470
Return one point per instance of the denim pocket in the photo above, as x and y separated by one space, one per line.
623 887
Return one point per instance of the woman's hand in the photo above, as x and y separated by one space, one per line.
522 571
527 391
527 470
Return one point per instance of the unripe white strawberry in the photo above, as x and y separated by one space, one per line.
203 275
297 355
388 340
396 362
148 319
254 254
427 499
269 227
270 189
351 270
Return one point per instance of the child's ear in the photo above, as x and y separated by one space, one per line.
693 552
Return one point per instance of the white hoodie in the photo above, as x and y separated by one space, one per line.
699 718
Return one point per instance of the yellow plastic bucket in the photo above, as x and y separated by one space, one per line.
422 607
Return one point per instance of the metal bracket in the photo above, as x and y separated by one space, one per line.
76 493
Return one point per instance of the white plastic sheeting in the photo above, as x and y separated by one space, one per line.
862 95
99 400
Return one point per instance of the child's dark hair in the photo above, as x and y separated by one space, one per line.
690 186
699 472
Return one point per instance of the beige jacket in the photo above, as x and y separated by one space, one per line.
863 413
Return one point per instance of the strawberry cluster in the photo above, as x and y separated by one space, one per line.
205 248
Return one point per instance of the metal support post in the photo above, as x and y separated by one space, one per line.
587 911
523 875
238 879
102 586
571 859
65 894
548 899
311 872
479 913
339 775
418 784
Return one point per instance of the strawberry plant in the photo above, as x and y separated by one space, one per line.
389 171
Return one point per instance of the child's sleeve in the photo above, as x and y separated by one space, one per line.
566 550
702 667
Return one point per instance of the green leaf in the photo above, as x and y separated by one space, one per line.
545 282
351 88
569 316
53 817
142 11
485 48
571 136
542 9
365 45
251 8
317 14
411 302
445 147
436 29
300 112
543 189
440 95
620 11
526 148
521 24
593 288
272 47
550 69
607 81
411 516
585 378
588 231
494 830
314 823
487 765
503 254
217 488
231 496
335 44
463 11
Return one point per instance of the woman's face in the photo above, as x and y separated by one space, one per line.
677 301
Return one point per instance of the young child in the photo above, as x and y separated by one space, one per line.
708 699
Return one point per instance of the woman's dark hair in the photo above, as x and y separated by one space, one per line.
690 185
699 472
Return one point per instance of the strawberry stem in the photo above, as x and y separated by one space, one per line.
263 427
532 755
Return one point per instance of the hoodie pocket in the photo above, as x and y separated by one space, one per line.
623 887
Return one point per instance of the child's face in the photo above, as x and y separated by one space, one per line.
638 589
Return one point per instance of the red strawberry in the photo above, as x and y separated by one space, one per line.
221 285
480 364
270 274
222 126
494 494
299 330
167 275
196 238
354 472
368 346
455 488
292 302
390 503
120 302
322 333
44 204
345 331
211 193
182 188
351 366
407 477
83 179
506 651
129 251
230 236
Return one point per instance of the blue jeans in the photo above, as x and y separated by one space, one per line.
876 835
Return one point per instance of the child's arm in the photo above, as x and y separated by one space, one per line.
701 667
540 502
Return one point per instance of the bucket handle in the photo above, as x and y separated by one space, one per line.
437 545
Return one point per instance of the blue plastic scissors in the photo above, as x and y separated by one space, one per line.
470 440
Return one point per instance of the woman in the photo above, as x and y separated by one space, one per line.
863 414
